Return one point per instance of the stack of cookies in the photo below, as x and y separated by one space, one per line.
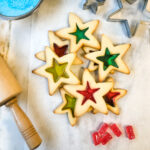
81 96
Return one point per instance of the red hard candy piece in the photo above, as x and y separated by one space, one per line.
129 132
96 138
115 130
103 128
105 138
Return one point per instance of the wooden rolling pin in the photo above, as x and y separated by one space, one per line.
9 89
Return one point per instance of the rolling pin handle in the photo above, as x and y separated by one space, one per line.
28 131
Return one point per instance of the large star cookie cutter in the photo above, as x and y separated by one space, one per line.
93 6
133 25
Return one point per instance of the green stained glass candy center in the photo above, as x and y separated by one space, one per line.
71 102
80 34
108 59
58 70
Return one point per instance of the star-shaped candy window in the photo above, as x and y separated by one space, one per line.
108 59
80 34
58 70
60 51
110 98
67 106
71 102
88 93
129 14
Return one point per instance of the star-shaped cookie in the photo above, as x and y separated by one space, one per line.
109 58
57 70
112 97
89 94
79 33
60 47
67 106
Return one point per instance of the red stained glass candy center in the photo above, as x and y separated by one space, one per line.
88 93
110 97
60 51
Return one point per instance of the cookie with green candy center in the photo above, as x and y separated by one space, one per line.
109 58
57 70
80 34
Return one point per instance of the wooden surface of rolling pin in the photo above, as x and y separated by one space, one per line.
9 89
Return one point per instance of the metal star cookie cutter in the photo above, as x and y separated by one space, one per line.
93 6
130 32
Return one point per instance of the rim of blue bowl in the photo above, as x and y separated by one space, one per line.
21 16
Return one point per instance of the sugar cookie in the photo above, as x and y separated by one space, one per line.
79 33
57 70
109 58
89 94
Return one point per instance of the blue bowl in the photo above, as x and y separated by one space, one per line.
17 9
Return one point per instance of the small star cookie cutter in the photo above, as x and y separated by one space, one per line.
130 32
93 6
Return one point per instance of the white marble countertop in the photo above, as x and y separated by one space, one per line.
23 38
